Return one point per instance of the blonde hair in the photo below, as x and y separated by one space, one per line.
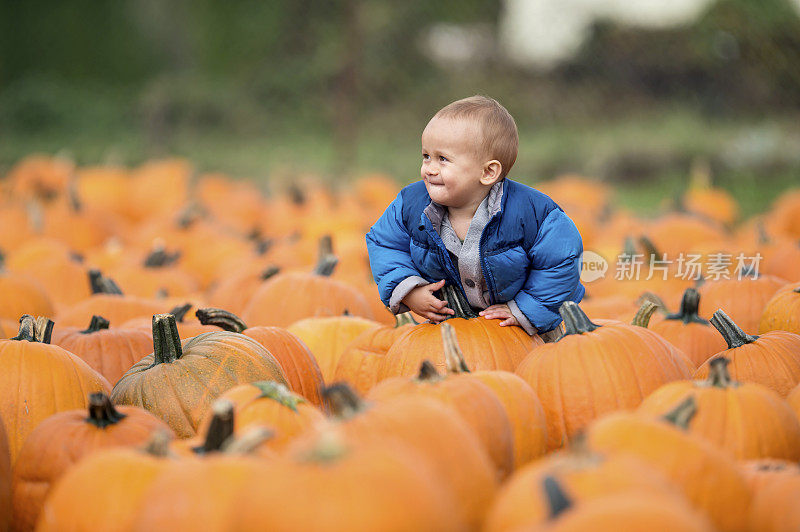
499 130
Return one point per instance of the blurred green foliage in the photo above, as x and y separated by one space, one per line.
252 87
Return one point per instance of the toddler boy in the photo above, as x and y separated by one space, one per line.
510 248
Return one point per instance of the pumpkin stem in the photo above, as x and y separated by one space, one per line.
158 445
657 301
2 261
718 374
733 334
262 245
682 415
159 257
296 194
100 284
330 446
453 356
327 260
189 215
220 429
43 330
269 272
227 321
575 319
749 271
457 301
251 440
101 412
688 311
643 315
628 249
557 500
649 248
761 231
27 329
326 265
405 318
180 311
98 323
344 403
279 393
166 342
427 372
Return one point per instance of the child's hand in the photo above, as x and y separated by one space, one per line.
499 312
422 301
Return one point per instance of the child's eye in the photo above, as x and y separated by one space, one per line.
425 156
442 158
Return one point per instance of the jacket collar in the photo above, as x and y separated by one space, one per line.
494 204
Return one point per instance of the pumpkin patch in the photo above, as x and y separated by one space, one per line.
217 358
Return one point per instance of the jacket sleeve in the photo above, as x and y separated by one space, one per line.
554 275
389 247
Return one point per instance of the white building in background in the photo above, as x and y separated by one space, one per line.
542 33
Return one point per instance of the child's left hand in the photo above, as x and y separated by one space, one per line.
499 312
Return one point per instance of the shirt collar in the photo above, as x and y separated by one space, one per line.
492 204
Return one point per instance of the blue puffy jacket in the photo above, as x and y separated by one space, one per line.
530 251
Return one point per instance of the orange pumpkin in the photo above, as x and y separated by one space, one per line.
762 472
328 337
724 406
474 401
524 502
775 507
111 352
616 365
289 297
782 311
772 359
431 428
63 439
5 480
272 405
361 359
108 301
708 477
634 511
45 378
742 299
484 343
20 295
106 490
177 383
298 364
524 410
385 486
690 333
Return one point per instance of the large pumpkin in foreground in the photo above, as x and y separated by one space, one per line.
484 343
596 368
178 383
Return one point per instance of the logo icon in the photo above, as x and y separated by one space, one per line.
593 266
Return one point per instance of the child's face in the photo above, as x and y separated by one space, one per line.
452 162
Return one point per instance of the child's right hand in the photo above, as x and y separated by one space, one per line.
422 302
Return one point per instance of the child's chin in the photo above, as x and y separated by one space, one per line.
437 193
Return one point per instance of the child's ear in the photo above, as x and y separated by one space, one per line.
491 172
